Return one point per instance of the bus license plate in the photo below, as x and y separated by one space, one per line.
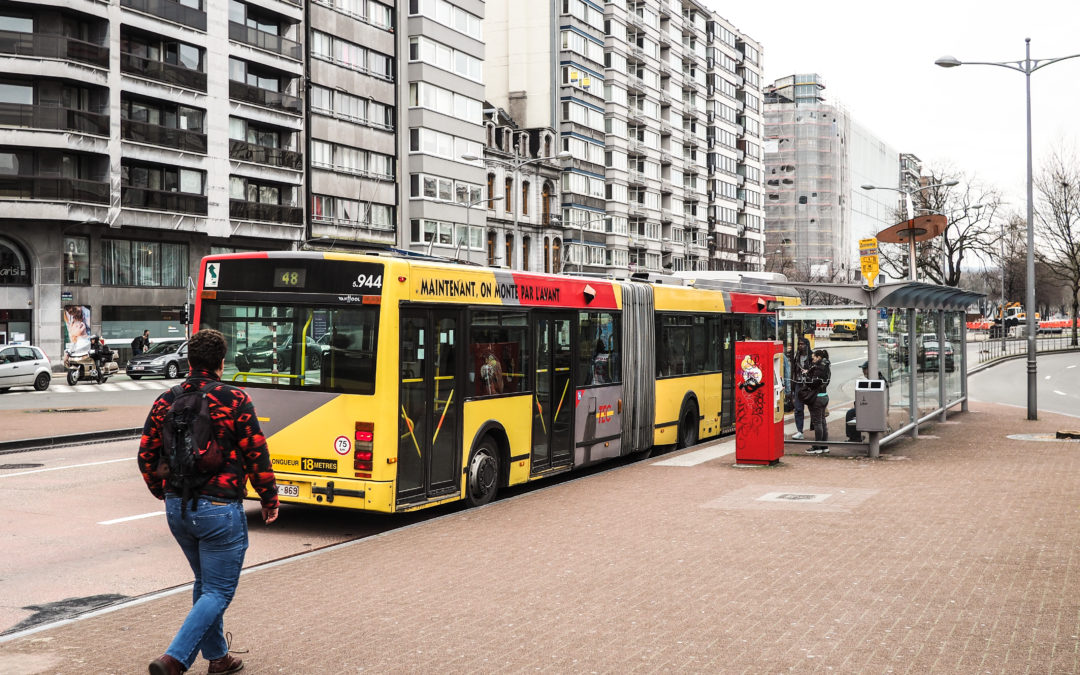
288 490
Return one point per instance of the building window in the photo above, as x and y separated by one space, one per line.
491 192
77 261
509 192
126 262
14 269
525 253
524 197
509 261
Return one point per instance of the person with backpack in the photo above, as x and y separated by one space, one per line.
200 444
802 363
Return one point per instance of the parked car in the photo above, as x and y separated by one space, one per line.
844 330
930 356
168 359
260 354
24 366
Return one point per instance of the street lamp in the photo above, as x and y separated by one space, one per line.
1027 67
911 212
515 164
581 237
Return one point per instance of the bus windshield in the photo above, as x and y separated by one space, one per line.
293 345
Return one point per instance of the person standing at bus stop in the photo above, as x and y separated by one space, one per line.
799 380
817 399
211 529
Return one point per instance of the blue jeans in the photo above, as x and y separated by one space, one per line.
214 538
799 415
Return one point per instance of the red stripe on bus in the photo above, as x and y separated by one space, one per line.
544 291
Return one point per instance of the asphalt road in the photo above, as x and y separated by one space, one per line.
1057 377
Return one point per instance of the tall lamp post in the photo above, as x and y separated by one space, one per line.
1027 67
910 213
515 164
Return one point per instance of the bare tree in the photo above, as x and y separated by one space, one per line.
971 208
1057 221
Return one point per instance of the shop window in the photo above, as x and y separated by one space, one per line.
77 261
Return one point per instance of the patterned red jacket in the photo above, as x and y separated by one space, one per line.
237 430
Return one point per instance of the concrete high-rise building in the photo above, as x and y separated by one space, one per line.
137 137
816 157
658 103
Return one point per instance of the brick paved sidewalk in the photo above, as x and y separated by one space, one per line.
952 554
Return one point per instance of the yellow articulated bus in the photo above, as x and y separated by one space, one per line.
392 383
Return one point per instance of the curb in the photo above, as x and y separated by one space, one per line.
1022 355
26 444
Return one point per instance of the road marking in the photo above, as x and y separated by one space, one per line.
1047 377
1070 367
836 363
1060 393
130 386
124 520
69 466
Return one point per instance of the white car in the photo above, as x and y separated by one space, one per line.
24 366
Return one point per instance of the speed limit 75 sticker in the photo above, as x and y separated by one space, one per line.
342 445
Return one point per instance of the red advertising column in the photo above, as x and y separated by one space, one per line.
759 402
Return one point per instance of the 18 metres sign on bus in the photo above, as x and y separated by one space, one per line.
391 383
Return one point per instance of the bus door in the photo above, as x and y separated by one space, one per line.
553 405
429 419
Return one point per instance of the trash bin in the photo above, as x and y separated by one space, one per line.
871 405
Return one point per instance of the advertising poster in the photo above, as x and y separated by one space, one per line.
76 327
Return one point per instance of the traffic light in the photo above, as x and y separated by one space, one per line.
185 315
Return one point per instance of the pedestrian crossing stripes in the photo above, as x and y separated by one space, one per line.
87 387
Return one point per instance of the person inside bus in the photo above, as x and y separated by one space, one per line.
601 364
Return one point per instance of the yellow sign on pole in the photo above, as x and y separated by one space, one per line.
868 257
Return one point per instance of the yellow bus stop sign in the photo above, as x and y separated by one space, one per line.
868 257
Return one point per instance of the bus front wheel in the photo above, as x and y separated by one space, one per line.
483 477
688 426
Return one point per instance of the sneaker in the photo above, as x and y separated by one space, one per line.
813 451
797 436
823 451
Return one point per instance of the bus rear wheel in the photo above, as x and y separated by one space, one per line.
688 426
482 480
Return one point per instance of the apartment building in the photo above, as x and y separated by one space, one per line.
137 137
442 180
657 103
816 157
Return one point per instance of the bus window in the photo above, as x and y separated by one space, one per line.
498 352
263 341
599 348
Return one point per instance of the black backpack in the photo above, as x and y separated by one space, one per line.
136 344
191 455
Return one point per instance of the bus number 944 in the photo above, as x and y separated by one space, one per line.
368 281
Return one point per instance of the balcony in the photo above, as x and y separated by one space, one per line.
53 47
54 189
181 139
169 10
261 154
273 213
162 200
162 72
271 43
53 118
264 97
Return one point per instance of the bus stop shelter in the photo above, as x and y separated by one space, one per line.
916 333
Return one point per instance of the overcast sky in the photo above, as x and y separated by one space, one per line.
877 60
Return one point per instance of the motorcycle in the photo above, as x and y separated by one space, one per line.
81 367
